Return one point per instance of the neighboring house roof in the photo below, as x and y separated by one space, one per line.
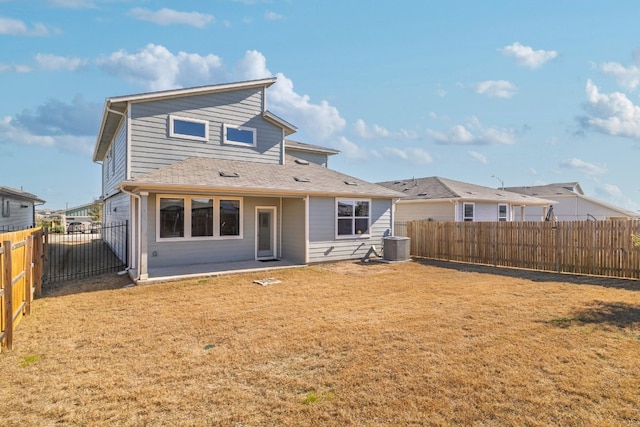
437 188
549 190
301 146
295 177
19 194
77 208
115 108
568 189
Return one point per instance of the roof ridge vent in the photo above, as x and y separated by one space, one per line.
301 179
351 183
302 162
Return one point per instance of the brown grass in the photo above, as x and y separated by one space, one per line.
337 344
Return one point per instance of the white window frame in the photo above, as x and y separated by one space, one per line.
187 218
504 218
226 141
173 134
465 218
6 207
353 218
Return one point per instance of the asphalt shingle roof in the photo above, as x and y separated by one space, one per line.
294 177
433 188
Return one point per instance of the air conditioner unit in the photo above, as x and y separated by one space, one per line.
396 248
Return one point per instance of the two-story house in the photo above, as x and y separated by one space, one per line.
203 175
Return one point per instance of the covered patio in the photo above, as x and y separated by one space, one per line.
195 271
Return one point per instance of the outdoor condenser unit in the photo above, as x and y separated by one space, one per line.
396 248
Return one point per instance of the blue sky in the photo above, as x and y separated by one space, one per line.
514 92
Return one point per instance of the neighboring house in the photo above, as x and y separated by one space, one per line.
205 176
572 204
84 213
18 209
441 199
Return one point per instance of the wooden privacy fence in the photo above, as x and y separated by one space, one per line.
603 248
21 259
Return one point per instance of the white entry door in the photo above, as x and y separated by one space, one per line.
265 232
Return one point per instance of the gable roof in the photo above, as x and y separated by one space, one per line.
437 188
19 194
310 148
116 107
549 190
294 177
572 189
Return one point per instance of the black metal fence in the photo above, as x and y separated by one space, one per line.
86 252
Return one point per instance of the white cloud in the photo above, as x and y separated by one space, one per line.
349 149
55 63
156 68
73 4
273 16
14 68
581 166
375 131
12 133
528 57
611 114
479 157
416 156
627 77
15 27
69 127
610 191
496 88
473 133
166 16
318 120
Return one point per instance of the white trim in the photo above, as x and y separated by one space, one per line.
172 118
274 242
352 236
506 213
226 141
187 198
464 217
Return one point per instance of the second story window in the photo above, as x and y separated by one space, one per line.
239 135
187 128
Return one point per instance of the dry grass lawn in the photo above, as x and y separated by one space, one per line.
418 343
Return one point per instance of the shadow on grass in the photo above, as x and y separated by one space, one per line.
617 314
102 282
535 276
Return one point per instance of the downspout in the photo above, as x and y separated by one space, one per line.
455 209
139 233
306 229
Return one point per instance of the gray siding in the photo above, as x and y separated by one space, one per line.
114 174
152 148
18 217
206 251
317 158
293 237
116 211
323 246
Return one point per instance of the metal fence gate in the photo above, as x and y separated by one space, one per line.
89 252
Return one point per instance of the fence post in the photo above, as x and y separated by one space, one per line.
28 278
45 259
8 294
38 259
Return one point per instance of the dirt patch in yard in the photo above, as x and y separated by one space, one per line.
373 344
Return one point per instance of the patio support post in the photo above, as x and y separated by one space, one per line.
143 266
